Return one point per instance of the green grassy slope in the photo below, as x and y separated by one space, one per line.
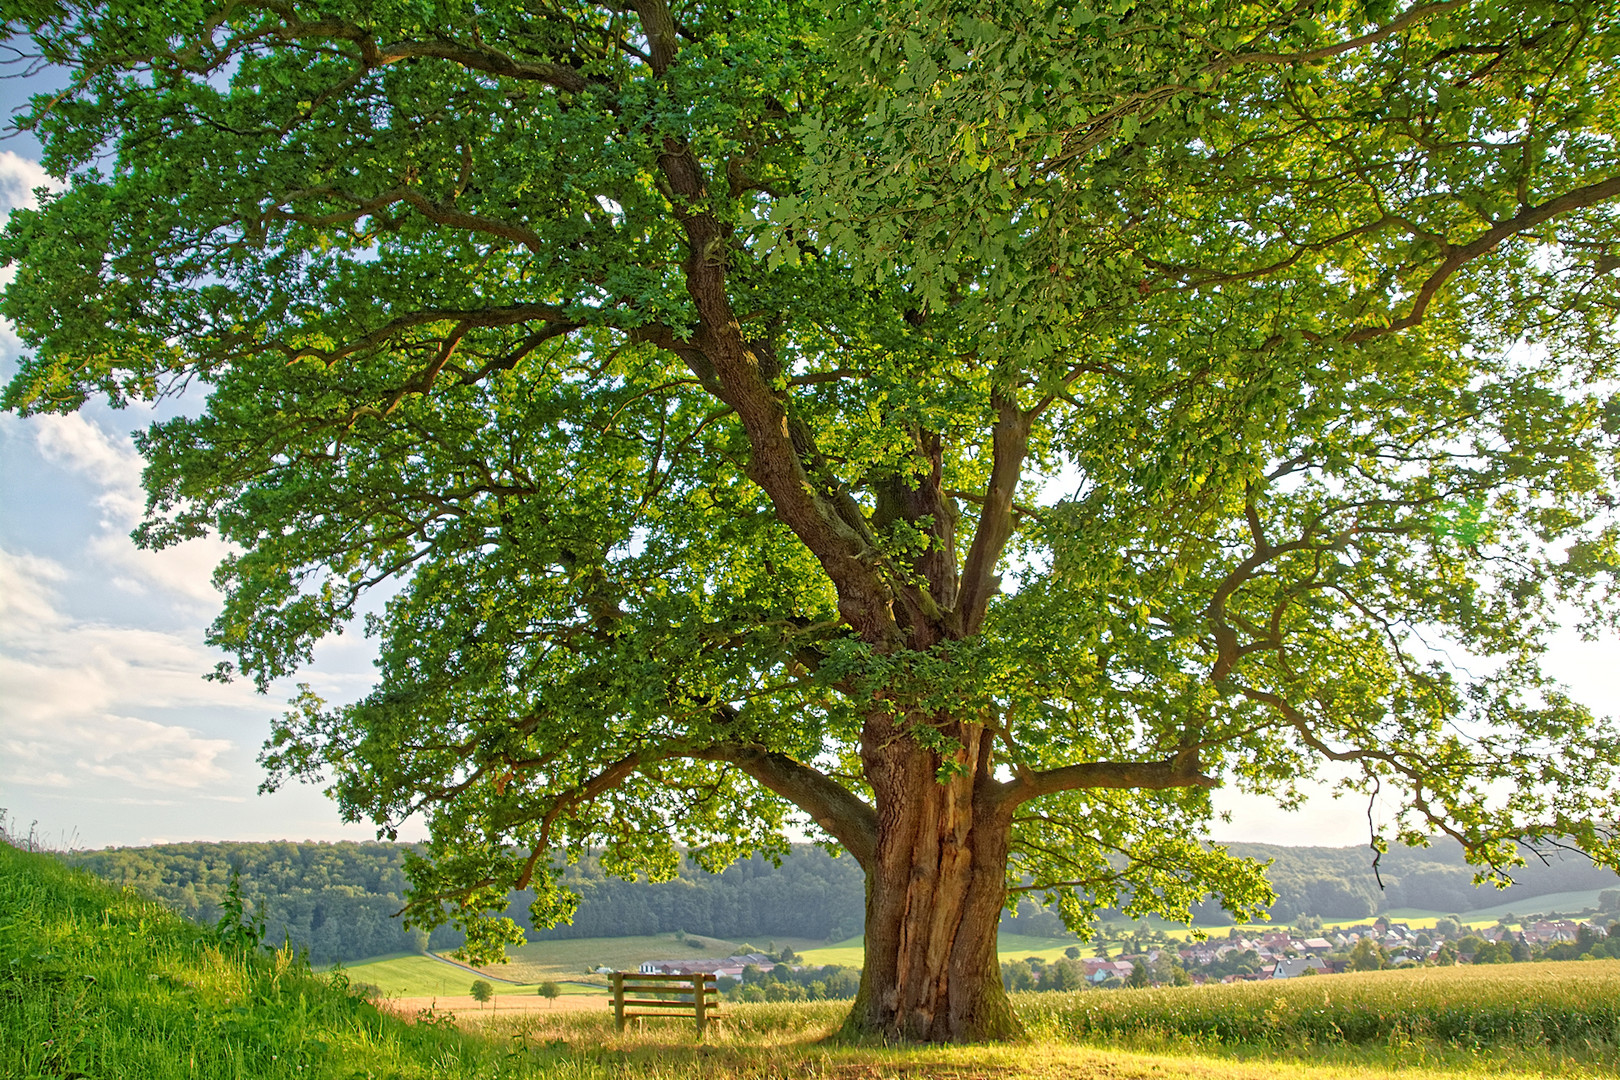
98 982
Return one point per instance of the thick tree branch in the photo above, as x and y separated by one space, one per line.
1460 255
737 367
468 318
1009 446
437 212
1180 771
1409 18
606 780
477 56
844 815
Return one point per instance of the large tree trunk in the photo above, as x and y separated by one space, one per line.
935 890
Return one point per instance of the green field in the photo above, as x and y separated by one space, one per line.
575 959
411 975
847 953
1538 905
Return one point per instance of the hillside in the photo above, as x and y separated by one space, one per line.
1339 883
97 981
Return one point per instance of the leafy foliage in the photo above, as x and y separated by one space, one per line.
237 929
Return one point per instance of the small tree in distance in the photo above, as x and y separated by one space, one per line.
482 991
1367 955
550 991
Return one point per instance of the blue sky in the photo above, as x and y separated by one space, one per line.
109 735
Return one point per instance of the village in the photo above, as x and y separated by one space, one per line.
1153 958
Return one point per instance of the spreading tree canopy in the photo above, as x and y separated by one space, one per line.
968 430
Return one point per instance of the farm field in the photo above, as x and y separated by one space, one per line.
1566 901
1549 1004
851 951
410 975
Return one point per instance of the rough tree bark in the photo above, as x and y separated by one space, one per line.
934 896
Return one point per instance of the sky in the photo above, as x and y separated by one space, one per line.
109 734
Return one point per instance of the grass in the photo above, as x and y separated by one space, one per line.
100 983
96 982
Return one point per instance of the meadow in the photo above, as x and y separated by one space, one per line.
97 982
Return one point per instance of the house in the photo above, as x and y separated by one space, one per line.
1098 970
731 966
1297 966
1546 931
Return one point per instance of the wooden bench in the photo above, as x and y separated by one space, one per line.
678 996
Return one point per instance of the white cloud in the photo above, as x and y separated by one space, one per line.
70 687
90 750
19 176
80 446
26 595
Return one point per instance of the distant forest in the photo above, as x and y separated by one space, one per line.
338 899
1339 883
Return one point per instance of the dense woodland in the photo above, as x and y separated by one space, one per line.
339 900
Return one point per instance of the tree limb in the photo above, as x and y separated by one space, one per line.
1009 445
1458 256
1179 771
844 815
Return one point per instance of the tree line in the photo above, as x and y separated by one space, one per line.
339 900
1342 883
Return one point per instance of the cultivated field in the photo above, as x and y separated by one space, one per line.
410 975
852 951
1572 1005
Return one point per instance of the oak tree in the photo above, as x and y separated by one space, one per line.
969 431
